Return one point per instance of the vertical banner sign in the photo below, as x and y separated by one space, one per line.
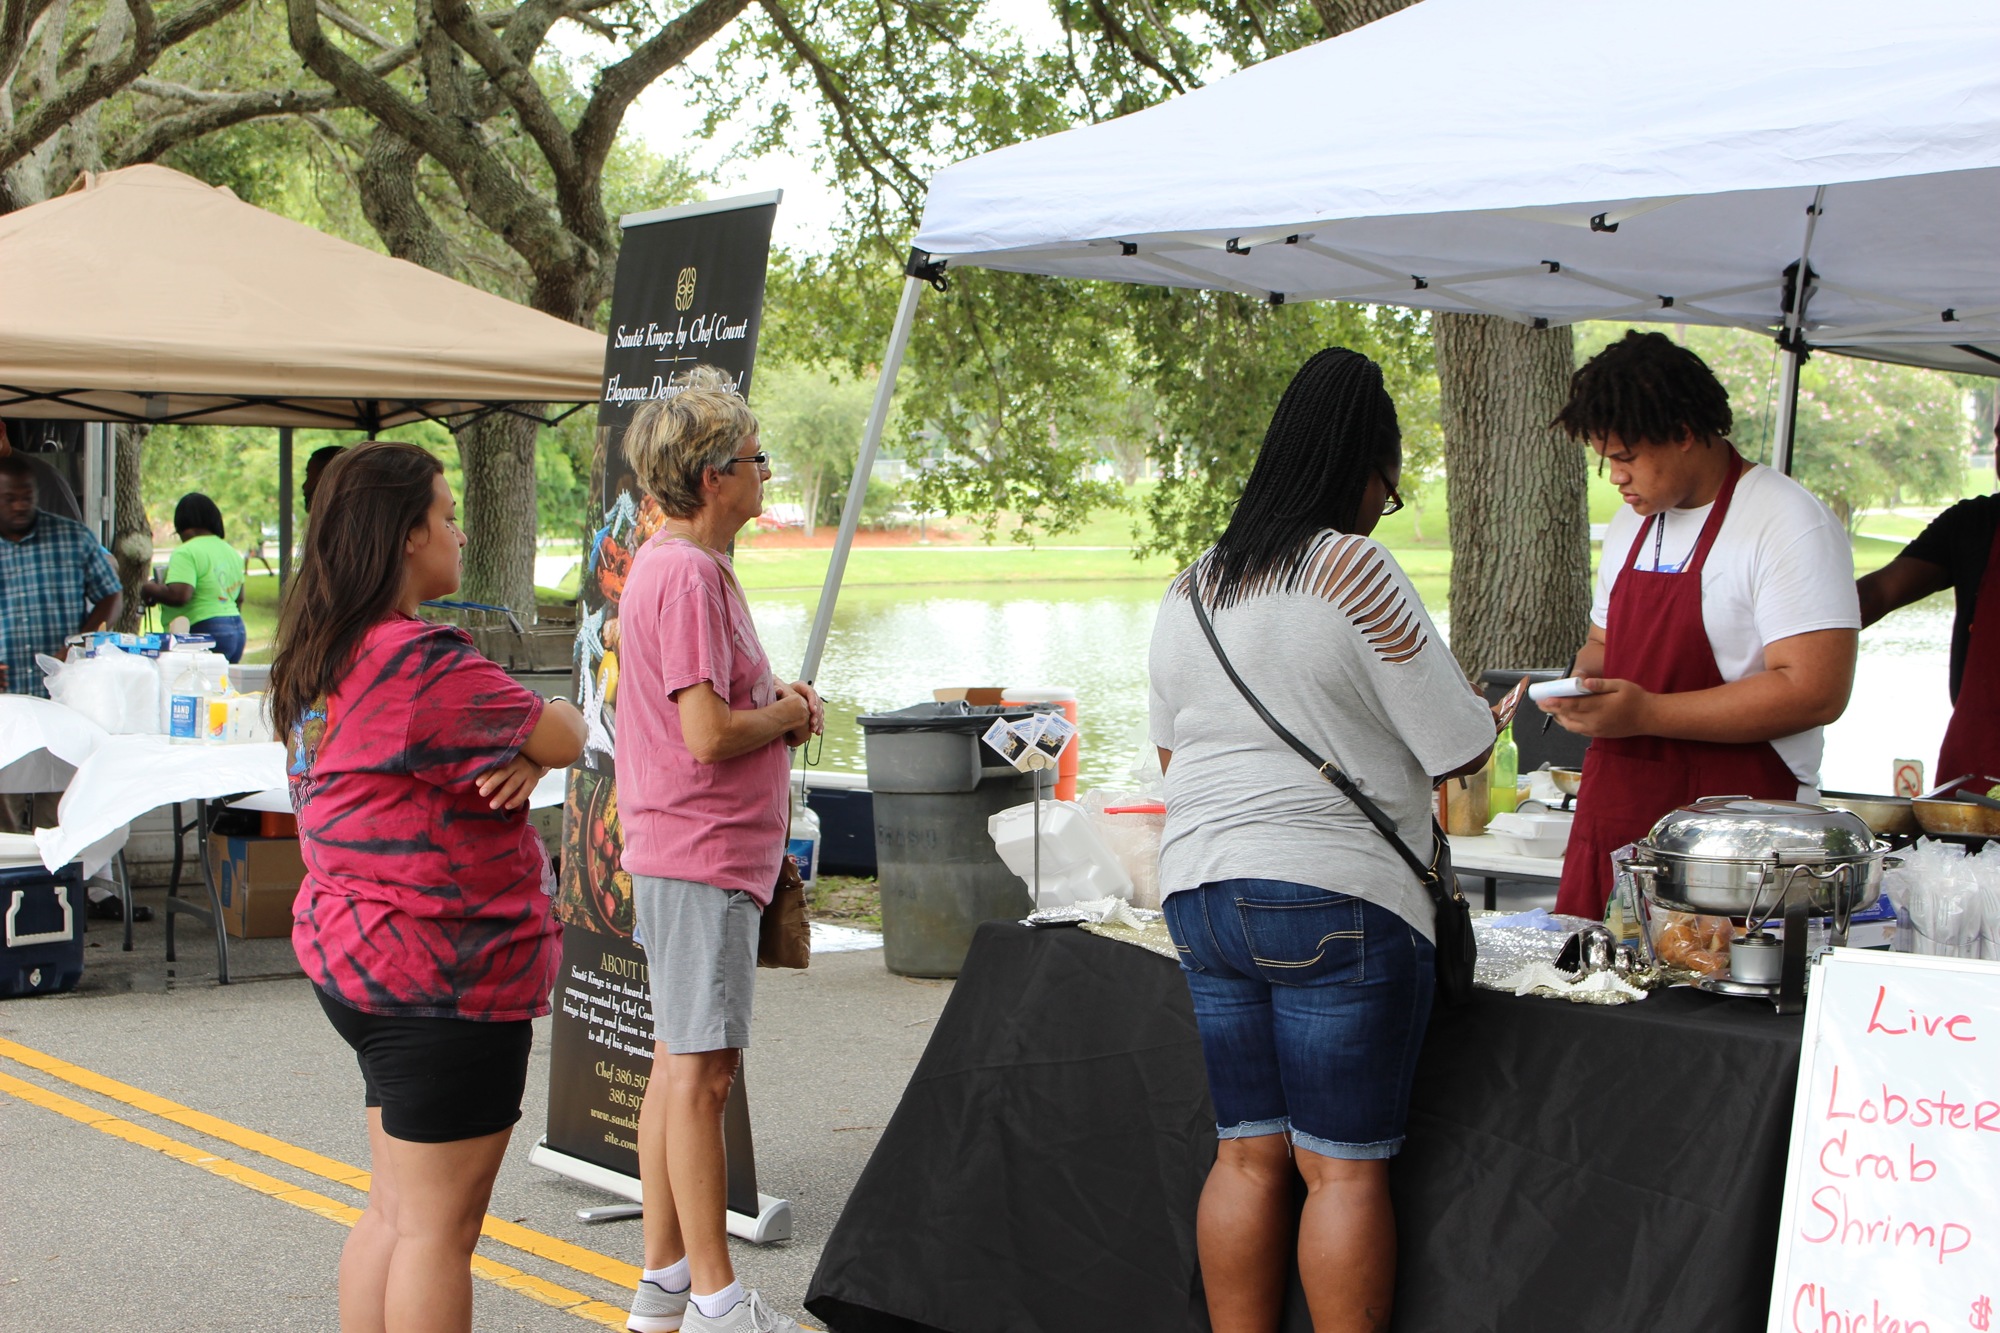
689 292
1891 1219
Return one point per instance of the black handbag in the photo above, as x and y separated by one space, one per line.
1453 919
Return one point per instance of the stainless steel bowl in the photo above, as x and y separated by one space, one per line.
1569 781
1735 856
1891 816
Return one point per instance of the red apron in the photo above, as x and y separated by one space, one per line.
1655 638
1972 741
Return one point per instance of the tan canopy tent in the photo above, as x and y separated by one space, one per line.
145 295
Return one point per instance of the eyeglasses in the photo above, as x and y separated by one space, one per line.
1395 501
760 458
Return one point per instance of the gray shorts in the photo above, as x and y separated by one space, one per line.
701 951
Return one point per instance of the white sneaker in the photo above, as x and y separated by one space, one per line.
749 1315
655 1309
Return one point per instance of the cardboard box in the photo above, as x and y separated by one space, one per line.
257 879
972 694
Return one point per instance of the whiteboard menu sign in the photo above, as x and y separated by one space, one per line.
1891 1218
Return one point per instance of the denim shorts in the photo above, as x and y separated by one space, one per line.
1312 1007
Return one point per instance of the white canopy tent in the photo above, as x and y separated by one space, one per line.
1549 161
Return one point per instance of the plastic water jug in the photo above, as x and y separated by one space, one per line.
1076 866
188 682
804 842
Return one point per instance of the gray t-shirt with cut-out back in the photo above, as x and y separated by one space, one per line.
1349 661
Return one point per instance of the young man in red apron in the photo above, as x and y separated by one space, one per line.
1959 550
1724 633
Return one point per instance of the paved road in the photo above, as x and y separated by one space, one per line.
116 1214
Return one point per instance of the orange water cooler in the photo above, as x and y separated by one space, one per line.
1065 789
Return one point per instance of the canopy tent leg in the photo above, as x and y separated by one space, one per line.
857 490
284 508
1788 411
1791 339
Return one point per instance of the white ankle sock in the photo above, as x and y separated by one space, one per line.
721 1303
674 1277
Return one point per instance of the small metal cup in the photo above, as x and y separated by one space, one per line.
1757 959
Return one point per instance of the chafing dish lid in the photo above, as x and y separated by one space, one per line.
1740 828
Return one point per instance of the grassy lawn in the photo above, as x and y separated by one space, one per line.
847 900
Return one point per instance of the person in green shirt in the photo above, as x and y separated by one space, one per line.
204 577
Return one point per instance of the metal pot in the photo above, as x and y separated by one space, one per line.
1891 816
1735 856
1956 818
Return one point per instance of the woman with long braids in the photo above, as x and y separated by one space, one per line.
424 919
1304 937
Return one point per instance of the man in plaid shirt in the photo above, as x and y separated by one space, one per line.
55 580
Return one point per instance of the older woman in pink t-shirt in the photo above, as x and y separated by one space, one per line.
703 728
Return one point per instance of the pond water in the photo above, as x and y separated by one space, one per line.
891 646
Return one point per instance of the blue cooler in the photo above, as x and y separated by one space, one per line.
41 929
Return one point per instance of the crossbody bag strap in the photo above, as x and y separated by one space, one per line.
1326 767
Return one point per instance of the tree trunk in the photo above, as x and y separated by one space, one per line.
131 531
498 456
1520 521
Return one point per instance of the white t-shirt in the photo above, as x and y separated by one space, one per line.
1352 666
1782 565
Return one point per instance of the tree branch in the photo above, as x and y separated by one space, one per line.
183 24
387 182
846 117
1118 33
221 111
97 82
354 27
619 84
17 22
485 181
516 80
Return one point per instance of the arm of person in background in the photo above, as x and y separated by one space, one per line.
714 731
1897 584
1804 684
155 593
103 613
556 742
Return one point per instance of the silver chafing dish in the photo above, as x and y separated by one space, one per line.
1752 860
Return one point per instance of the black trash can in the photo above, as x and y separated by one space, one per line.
935 784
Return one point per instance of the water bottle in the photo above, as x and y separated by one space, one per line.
1506 770
804 843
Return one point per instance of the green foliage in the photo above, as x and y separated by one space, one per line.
1869 435
811 421
237 467
1219 362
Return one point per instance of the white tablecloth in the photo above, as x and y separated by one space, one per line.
128 775
41 743
119 778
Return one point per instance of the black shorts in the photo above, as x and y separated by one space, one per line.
437 1080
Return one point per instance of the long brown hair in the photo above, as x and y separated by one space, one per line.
368 502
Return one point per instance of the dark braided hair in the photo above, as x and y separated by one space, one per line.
1333 430
1645 388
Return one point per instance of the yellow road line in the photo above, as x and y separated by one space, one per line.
513 1279
511 1234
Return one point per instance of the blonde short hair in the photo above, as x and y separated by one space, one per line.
672 442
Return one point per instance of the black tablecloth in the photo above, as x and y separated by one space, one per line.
1568 1167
